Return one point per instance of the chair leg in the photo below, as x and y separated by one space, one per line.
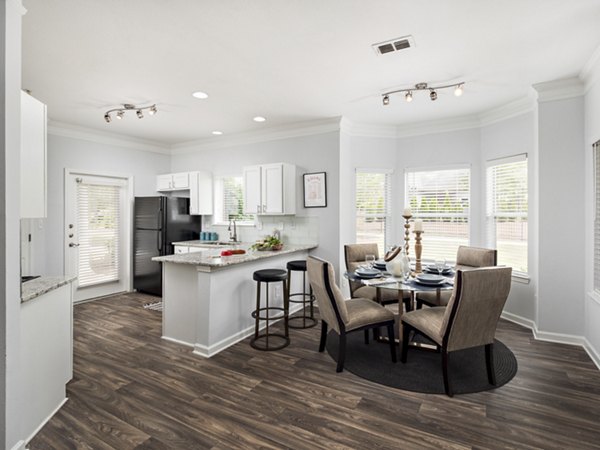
323 336
447 386
489 363
419 304
390 329
407 304
405 337
341 352
367 337
376 334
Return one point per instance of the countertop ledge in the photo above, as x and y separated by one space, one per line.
199 259
214 244
39 286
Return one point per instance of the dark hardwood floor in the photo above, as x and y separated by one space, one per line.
132 390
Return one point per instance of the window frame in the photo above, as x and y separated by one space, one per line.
438 168
389 215
596 217
516 274
218 218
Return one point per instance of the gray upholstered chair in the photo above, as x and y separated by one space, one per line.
345 316
469 320
466 258
355 254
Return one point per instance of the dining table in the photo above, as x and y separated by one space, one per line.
399 284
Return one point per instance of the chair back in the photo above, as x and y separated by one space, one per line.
354 255
332 305
475 306
469 257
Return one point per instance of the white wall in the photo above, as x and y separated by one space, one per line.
508 138
78 154
314 153
592 134
561 216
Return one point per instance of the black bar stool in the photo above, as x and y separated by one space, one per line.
261 341
308 321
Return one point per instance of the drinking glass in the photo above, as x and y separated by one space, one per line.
370 260
440 265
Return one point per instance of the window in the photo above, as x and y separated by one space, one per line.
441 198
506 211
596 149
229 201
98 209
373 217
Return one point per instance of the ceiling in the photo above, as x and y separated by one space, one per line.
291 61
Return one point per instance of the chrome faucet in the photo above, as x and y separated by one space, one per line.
232 232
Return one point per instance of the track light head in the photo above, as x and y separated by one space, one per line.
107 117
433 95
458 90
153 110
120 114
386 100
140 114
408 97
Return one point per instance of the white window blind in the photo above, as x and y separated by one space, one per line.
597 217
98 226
441 198
506 211
229 202
373 217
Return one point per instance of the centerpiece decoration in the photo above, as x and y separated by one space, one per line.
397 262
268 243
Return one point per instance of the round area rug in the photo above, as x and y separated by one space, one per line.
422 371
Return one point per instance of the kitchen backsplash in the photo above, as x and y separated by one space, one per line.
294 230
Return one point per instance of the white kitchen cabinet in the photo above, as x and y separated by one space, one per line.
173 182
33 158
183 249
270 189
201 193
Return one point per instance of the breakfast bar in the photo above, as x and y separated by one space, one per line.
208 299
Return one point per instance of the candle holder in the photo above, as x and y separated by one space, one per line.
418 251
407 232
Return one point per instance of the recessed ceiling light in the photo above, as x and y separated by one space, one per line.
259 119
217 133
199 94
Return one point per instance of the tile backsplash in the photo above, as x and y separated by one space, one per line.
294 230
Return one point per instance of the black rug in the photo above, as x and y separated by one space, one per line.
423 369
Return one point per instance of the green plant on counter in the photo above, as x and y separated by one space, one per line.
268 243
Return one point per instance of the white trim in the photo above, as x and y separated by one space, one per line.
558 338
19 446
592 352
594 296
44 422
524 322
177 341
298 129
102 137
587 73
563 89
506 160
438 126
509 110
438 168
520 277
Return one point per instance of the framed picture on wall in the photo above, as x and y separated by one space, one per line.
315 190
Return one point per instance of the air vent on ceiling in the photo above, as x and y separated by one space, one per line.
394 45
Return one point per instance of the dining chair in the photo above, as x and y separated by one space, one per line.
469 320
355 254
466 258
345 316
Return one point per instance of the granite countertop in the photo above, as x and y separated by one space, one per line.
201 259
212 244
39 286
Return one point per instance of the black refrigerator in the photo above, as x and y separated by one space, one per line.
159 221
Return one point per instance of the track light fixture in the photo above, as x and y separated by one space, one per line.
433 91
139 110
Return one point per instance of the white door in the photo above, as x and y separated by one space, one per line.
97 240
272 188
252 203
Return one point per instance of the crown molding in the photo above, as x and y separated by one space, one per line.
357 129
298 129
590 73
438 126
563 89
101 137
508 110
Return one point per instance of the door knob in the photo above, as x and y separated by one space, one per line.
72 244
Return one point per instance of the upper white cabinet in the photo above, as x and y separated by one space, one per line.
173 182
33 157
270 189
200 185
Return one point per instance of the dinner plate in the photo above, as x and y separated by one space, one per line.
433 269
430 278
367 276
363 271
429 283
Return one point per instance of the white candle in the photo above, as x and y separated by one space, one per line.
418 225
407 212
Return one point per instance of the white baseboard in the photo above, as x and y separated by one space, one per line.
19 446
177 341
558 338
44 422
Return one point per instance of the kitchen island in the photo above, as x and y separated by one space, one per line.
208 299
